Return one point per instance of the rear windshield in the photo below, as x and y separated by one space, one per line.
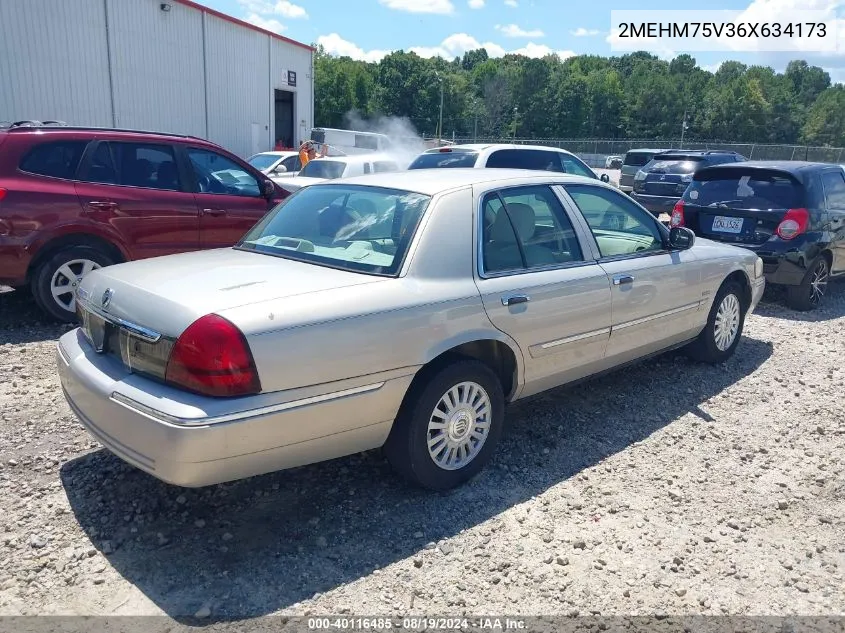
674 164
637 159
353 227
746 189
323 168
444 159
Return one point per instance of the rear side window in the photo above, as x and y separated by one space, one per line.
834 189
145 165
436 160
745 189
637 159
59 159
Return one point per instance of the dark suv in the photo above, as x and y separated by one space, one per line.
792 214
663 180
75 199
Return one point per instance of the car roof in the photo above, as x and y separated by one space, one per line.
434 181
790 166
480 147
646 150
87 132
358 158
699 152
275 153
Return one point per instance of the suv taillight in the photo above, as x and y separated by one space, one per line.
794 223
212 357
3 193
677 218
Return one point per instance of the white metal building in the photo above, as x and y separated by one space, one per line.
170 66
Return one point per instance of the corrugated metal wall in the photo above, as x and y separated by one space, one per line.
54 61
127 63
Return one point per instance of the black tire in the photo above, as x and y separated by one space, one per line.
809 293
407 445
705 347
42 280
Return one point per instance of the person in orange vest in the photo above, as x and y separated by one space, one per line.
307 152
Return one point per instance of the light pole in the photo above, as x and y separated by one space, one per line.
513 140
684 127
440 124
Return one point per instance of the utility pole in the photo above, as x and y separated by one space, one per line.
684 127
514 124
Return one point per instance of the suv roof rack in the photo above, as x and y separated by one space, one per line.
29 125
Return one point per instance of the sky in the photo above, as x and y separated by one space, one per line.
369 29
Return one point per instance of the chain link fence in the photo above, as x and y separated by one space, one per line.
595 151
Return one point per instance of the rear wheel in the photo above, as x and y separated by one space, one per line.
55 281
448 427
720 337
809 293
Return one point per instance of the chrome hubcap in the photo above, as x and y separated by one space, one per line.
66 279
727 322
459 425
818 283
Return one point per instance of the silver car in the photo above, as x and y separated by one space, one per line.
400 310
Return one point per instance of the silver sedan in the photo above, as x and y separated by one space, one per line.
399 310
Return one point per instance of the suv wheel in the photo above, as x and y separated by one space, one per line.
809 293
448 427
55 281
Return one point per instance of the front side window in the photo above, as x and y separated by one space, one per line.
263 161
59 159
619 226
354 227
572 165
218 174
323 168
525 227
291 163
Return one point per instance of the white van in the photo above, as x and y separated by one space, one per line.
350 141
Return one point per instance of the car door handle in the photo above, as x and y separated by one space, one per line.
513 300
618 280
104 205
214 212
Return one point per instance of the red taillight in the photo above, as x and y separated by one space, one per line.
794 223
677 214
2 193
212 357
445 149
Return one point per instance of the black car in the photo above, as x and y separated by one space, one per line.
792 214
663 180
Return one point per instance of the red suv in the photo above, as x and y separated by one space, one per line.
75 199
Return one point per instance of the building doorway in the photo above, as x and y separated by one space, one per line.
284 119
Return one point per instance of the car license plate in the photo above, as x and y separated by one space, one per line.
727 225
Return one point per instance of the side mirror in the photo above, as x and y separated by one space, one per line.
268 189
280 169
681 238
604 178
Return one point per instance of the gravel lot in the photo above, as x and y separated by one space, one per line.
673 488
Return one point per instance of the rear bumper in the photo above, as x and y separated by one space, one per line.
784 267
142 421
758 286
656 204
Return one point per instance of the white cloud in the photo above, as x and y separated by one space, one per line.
582 32
444 7
282 8
512 3
541 50
476 4
653 46
268 24
512 30
334 44
290 10
456 45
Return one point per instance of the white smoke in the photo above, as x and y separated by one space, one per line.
406 142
